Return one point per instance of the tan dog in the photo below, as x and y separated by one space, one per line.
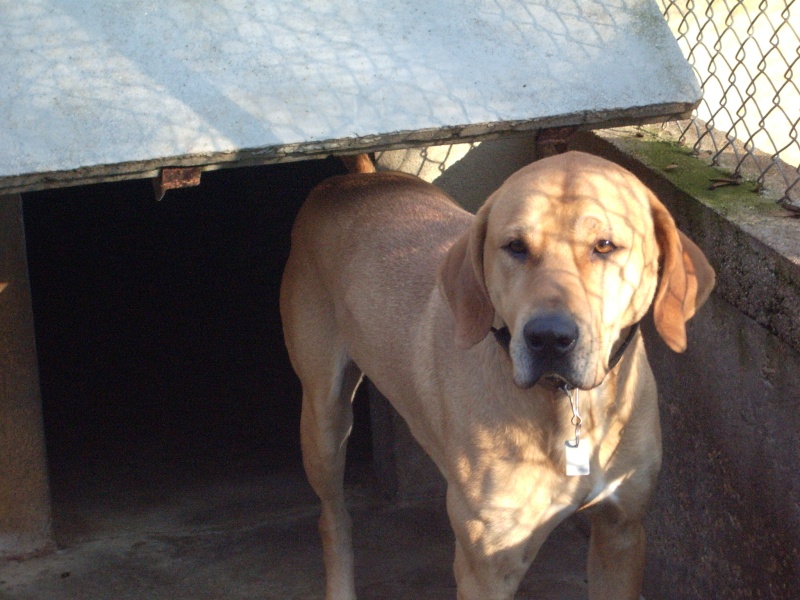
388 277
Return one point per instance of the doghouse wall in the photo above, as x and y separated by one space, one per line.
158 332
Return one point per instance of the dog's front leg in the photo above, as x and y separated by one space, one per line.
495 577
493 549
616 556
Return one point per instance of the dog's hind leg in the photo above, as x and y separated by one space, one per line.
329 379
325 424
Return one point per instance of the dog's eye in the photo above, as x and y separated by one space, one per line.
604 247
516 248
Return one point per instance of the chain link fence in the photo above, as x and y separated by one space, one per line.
746 54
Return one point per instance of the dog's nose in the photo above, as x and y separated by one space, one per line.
552 334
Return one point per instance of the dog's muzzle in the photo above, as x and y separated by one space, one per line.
549 341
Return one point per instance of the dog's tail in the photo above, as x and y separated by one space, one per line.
358 163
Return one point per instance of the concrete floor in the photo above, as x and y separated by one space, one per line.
235 532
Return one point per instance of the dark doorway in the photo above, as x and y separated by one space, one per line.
158 333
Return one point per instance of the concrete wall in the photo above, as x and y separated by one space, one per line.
725 521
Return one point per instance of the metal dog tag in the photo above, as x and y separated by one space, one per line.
578 457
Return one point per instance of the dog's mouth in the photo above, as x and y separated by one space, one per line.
556 382
551 381
529 372
574 370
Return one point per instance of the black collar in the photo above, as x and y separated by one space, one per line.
503 337
615 358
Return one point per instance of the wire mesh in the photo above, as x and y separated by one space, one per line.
745 54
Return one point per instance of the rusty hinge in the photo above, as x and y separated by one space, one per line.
171 178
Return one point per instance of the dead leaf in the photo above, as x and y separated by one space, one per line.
725 181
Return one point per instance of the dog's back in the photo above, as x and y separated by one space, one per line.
380 237
364 256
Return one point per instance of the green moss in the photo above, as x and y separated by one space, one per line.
692 175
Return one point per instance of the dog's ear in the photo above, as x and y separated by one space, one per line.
686 279
462 284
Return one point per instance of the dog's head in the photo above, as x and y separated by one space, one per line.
569 253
